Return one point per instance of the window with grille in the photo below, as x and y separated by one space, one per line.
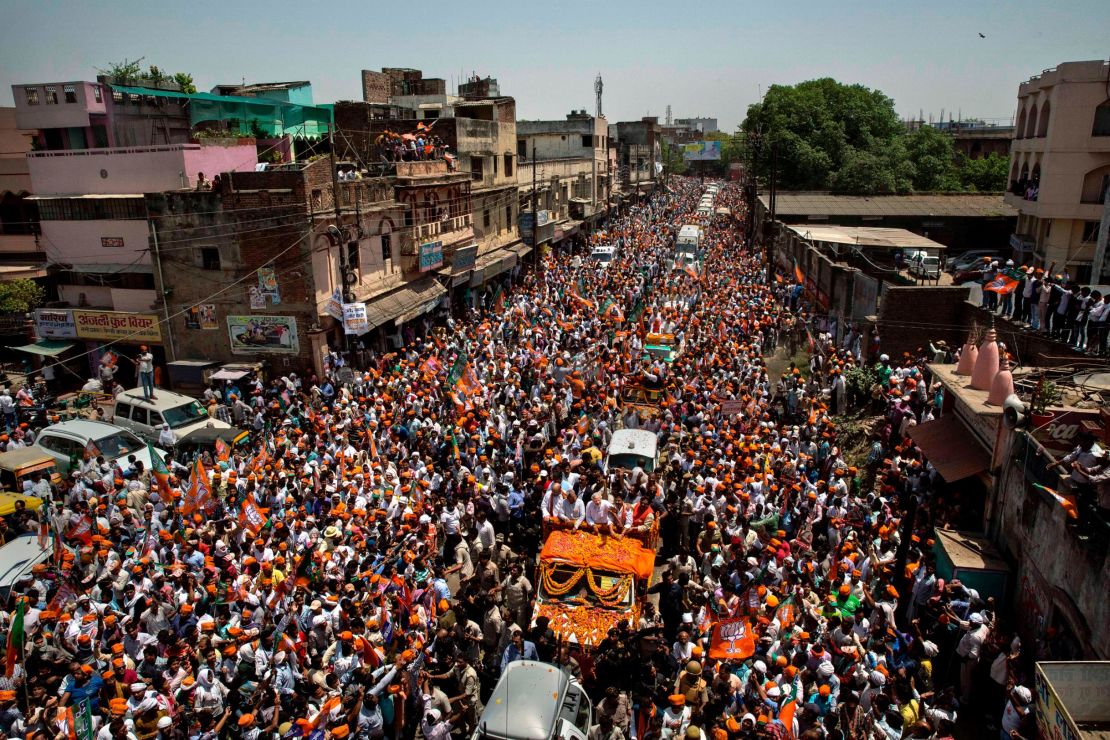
70 93
32 95
387 248
97 95
51 95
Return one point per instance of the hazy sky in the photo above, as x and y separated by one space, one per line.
701 58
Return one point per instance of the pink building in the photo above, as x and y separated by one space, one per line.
98 151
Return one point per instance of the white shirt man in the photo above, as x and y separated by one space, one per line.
597 511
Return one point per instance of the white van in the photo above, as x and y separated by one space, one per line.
633 448
145 418
18 556
535 701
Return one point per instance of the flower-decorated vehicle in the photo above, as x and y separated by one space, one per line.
587 583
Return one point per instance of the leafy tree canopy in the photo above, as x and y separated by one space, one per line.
20 295
849 139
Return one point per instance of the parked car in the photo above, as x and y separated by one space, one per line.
68 441
145 418
925 266
967 275
965 259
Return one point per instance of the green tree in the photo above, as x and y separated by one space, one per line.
672 159
185 80
818 127
20 295
125 71
934 160
985 175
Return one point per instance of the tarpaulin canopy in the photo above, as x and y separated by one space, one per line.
950 448
46 348
610 553
273 117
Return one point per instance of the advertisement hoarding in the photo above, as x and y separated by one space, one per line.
702 151
254 334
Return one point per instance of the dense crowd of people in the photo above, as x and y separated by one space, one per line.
365 569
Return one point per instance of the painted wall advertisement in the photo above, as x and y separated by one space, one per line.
354 319
117 325
254 334
202 317
431 256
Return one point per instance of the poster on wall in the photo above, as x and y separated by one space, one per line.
202 317
354 319
267 284
253 334
258 301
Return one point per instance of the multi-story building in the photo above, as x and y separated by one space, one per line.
292 244
699 124
478 134
100 148
423 97
571 160
639 153
21 254
1060 166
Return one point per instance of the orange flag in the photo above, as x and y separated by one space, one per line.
732 639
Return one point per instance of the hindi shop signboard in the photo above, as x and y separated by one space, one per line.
431 256
253 334
55 323
117 326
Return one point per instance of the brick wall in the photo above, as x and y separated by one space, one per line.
376 86
912 316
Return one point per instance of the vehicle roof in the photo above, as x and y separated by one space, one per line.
613 554
604 248
8 499
689 229
135 395
206 434
639 441
17 557
23 456
525 702
85 428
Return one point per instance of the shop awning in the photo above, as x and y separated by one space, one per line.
225 374
413 299
950 448
45 348
11 272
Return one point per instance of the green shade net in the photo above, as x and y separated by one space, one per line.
273 118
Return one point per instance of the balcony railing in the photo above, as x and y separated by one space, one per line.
435 228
